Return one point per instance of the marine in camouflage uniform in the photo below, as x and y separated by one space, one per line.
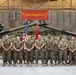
12 49
63 51
6 50
72 52
18 51
56 50
29 45
49 50
68 42
39 44
0 46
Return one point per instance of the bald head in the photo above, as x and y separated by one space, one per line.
39 37
49 36
18 37
6 37
62 39
29 37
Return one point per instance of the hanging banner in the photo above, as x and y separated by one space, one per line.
34 14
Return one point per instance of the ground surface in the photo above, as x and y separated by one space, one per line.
55 70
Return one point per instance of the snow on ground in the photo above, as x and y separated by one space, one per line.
55 70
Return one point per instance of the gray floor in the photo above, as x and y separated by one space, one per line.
55 70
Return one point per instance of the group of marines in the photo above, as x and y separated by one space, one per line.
59 51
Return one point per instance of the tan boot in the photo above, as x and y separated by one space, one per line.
36 64
27 65
52 64
46 64
14 65
30 64
65 64
21 65
60 64
42 64
3 65
9 65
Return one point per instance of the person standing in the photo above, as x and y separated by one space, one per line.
6 50
63 51
49 50
29 45
18 51
72 51
12 49
39 45
56 50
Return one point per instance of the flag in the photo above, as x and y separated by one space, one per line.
37 32
25 34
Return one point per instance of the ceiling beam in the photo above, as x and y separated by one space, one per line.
8 4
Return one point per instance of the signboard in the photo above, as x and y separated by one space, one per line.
34 14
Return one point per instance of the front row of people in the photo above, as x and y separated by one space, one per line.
59 51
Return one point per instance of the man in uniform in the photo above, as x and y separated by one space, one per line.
0 47
29 45
6 50
39 44
18 51
12 49
63 51
49 50
72 48
56 50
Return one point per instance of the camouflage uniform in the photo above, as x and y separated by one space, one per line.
72 54
29 54
63 53
6 53
18 52
12 50
56 51
0 47
49 53
40 52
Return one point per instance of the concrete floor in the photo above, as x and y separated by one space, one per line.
55 70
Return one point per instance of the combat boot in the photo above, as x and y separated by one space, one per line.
42 64
46 64
30 64
14 65
27 65
9 65
36 64
3 65
65 64
60 64
21 65
52 64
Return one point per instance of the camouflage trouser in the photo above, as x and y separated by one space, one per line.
33 54
71 57
0 51
6 56
75 57
39 53
24 55
18 55
63 56
29 56
56 56
12 55
49 53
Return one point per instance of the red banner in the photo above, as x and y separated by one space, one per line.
34 14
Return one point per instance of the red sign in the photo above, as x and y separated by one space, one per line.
34 14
